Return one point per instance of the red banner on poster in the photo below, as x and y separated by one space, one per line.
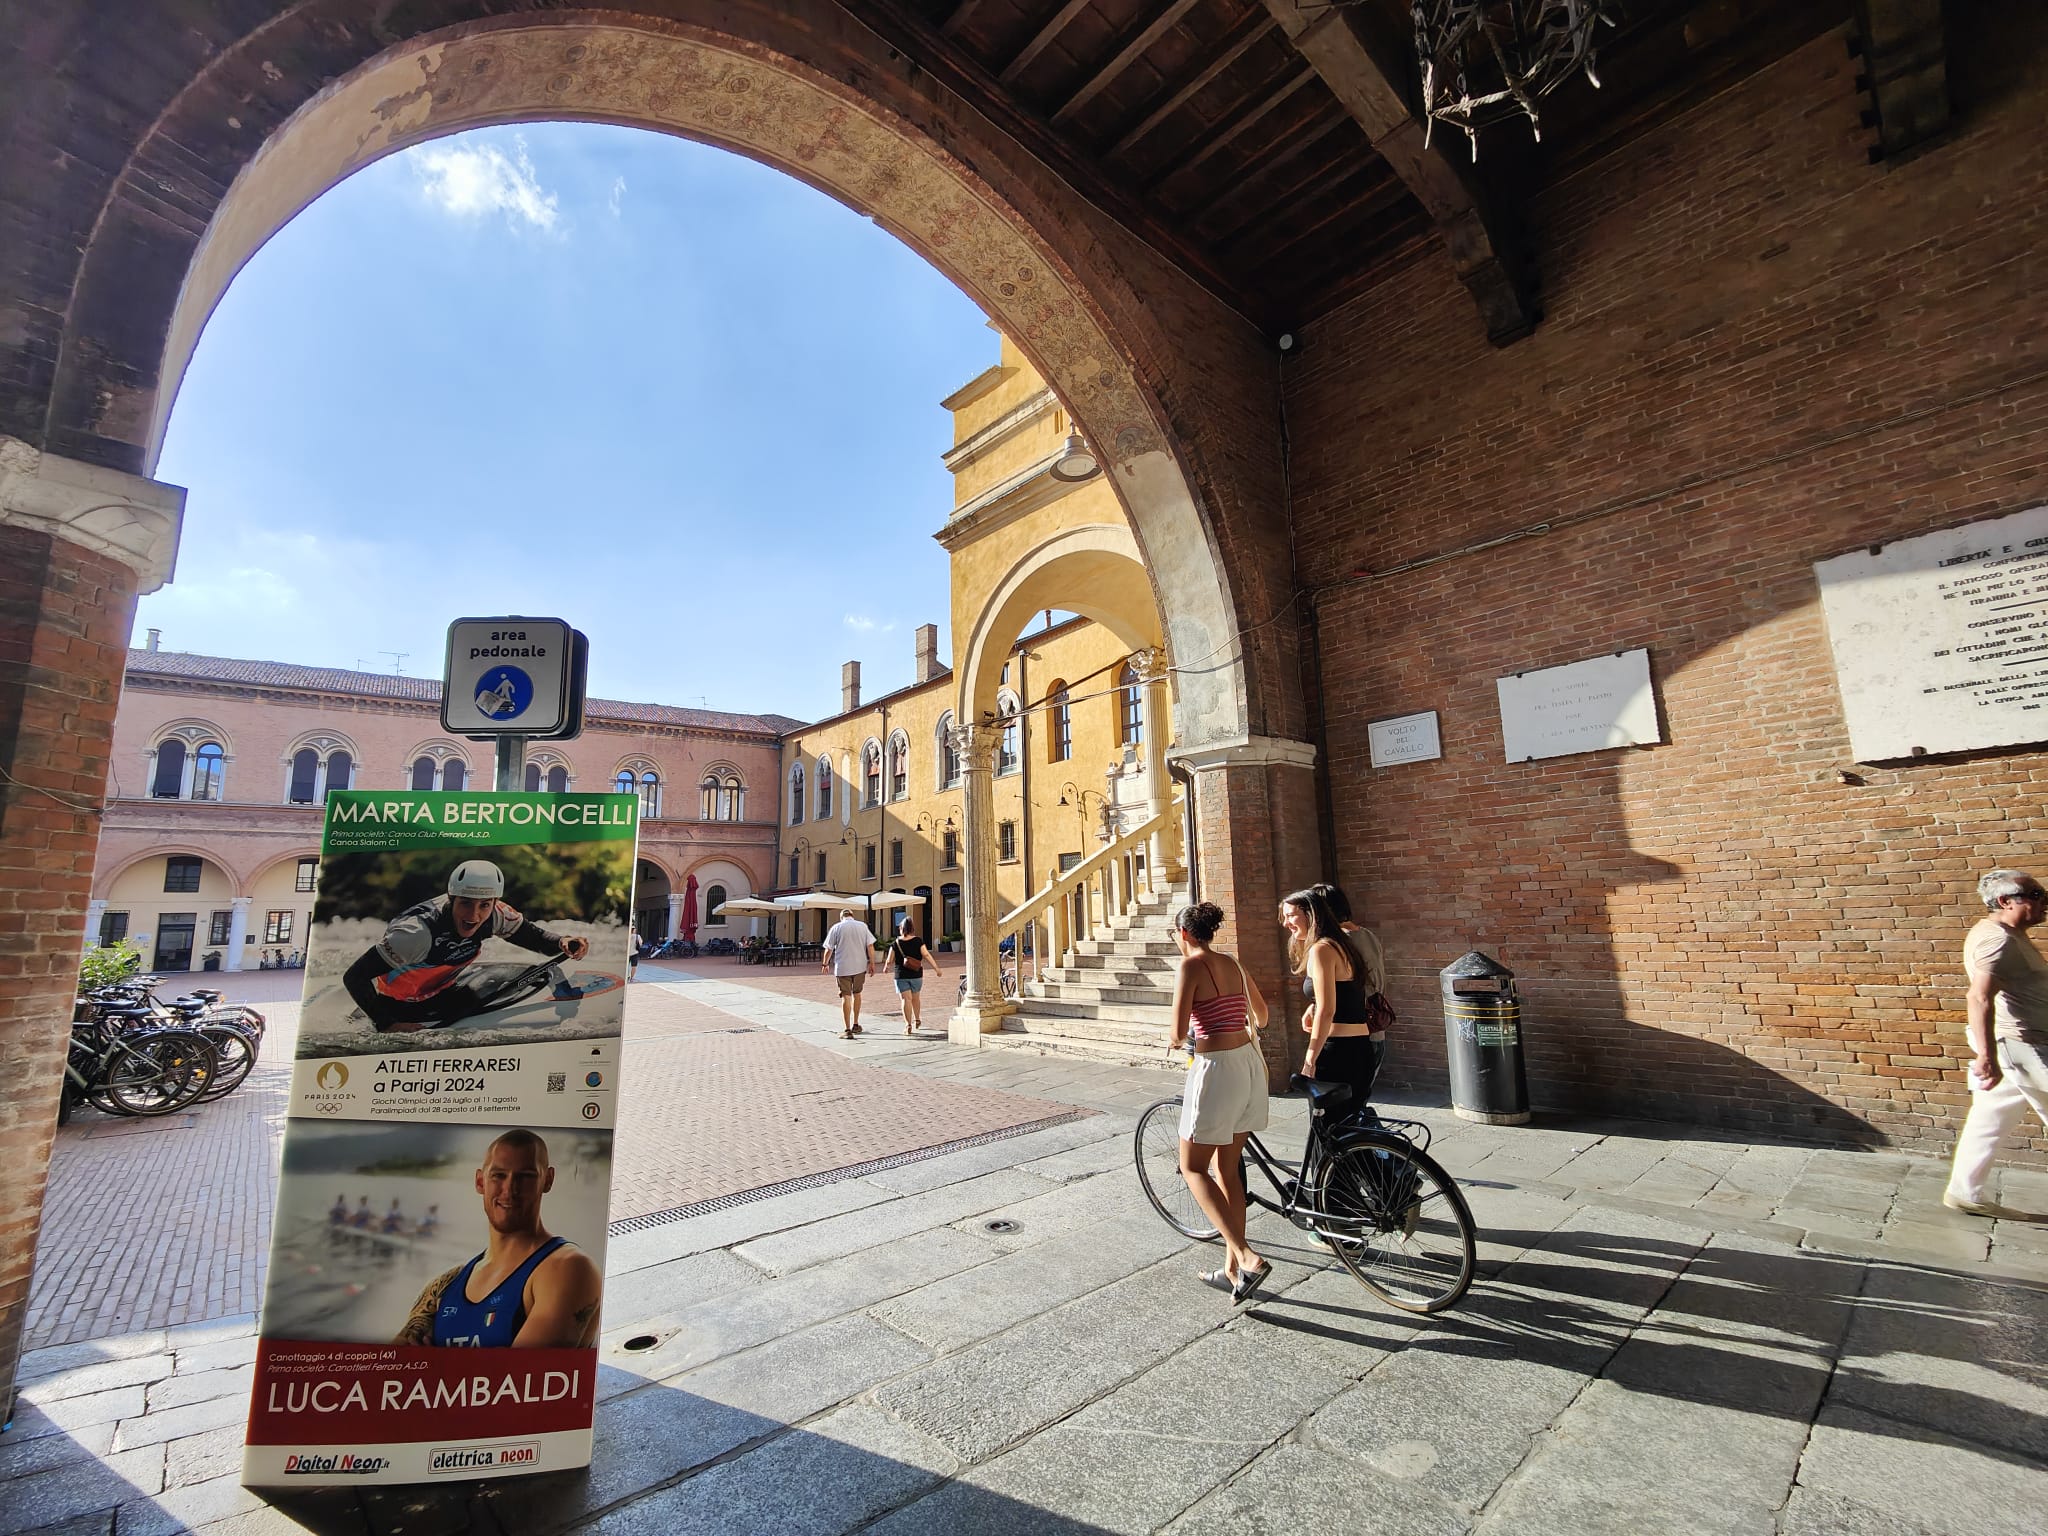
337 1394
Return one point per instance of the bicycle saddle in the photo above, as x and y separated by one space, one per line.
1321 1095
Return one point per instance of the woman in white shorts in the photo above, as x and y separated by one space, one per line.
1225 1097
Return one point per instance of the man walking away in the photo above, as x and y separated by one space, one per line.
849 955
2008 1011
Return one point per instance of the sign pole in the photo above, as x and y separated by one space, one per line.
511 763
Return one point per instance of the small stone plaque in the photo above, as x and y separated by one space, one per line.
1404 739
1941 641
1605 701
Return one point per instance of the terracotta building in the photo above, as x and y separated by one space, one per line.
211 838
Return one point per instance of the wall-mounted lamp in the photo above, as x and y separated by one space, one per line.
1076 461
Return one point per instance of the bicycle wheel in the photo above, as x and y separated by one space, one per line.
235 1058
1398 1222
1156 1144
159 1072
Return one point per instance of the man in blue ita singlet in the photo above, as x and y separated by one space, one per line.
528 1289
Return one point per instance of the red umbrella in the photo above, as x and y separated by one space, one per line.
688 922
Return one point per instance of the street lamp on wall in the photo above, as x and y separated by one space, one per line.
1105 812
1076 461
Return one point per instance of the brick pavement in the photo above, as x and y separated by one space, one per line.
154 1223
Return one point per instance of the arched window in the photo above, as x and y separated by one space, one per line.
1059 739
209 766
1007 760
899 766
1130 699
650 795
341 769
558 780
624 782
533 778
305 773
824 788
169 783
871 773
714 898
949 755
423 773
796 794
454 774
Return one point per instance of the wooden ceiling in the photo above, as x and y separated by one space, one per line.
1269 147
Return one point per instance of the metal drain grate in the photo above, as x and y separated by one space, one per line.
835 1175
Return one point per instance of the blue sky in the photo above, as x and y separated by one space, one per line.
675 397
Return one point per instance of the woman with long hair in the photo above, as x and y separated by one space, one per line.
1337 979
911 958
1224 1099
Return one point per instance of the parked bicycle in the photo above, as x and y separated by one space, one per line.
1365 1185
131 1010
135 1071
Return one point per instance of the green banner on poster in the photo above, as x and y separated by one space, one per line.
359 819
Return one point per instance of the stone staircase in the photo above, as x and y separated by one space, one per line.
1114 1002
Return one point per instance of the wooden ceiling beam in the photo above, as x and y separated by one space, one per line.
1255 25
1125 57
1905 70
959 16
1251 111
1368 75
1254 198
1045 38
901 26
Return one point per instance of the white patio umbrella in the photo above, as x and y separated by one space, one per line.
754 906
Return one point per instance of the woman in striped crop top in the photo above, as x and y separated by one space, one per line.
1225 1097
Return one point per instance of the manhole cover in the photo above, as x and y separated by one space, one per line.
641 1341
1002 1226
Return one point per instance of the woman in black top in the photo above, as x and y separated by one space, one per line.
911 960
1336 981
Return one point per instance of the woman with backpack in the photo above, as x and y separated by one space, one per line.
909 959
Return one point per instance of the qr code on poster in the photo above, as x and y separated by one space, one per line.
557 1082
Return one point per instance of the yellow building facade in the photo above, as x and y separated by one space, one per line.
1055 695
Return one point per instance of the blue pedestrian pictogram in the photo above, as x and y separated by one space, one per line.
503 693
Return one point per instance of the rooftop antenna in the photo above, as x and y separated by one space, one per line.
397 661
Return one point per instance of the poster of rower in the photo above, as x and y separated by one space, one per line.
437 1257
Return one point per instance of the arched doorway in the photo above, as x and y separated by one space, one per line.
650 900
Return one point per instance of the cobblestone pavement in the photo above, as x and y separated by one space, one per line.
1670 1332
152 1223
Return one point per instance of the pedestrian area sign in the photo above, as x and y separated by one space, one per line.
508 677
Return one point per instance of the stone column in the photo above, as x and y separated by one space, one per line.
1255 810
94 911
238 932
675 914
76 544
1167 857
981 1012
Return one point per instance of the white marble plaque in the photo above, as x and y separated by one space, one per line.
1941 641
1404 739
1605 701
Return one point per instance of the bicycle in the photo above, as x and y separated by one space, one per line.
1368 1189
142 1072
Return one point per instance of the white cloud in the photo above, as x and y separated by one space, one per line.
472 180
618 195
862 624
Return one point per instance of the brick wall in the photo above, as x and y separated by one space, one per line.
1760 351
64 617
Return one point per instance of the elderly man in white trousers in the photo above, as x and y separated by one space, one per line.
2008 1014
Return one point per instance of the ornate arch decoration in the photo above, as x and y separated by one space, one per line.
826 107
945 755
896 766
873 773
441 752
542 764
193 752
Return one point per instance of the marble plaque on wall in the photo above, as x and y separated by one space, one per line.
1941 641
1404 739
1604 701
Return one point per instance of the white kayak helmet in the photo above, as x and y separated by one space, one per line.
478 879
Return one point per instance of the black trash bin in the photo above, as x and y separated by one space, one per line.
1483 1041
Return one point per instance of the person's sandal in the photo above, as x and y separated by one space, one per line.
1249 1282
1218 1279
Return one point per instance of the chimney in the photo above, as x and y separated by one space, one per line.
156 638
849 687
928 666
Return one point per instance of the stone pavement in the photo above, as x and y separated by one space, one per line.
153 1223
1670 1332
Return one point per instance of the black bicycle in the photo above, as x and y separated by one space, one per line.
1367 1187
145 1071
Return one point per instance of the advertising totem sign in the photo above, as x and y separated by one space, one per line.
437 1260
